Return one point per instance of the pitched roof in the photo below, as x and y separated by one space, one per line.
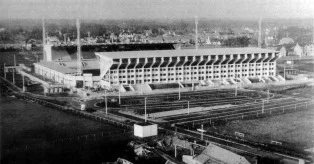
216 153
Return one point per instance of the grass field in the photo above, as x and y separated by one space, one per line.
296 128
28 123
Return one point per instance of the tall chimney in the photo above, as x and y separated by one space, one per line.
78 40
44 40
196 33
88 39
260 32
65 38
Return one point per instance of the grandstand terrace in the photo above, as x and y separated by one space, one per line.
186 65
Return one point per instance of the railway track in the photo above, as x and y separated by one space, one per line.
226 113
249 147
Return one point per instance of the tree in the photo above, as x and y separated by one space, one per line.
242 41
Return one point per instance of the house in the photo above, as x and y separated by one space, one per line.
309 50
290 50
215 154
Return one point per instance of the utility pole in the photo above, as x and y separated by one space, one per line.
268 95
106 102
188 107
145 110
44 40
284 73
260 32
23 85
5 75
13 71
119 94
179 92
175 151
236 90
202 127
263 106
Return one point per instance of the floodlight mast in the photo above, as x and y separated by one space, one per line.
78 42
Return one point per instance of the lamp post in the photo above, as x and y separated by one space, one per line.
145 110
14 70
119 94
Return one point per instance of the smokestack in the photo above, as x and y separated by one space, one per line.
260 32
65 38
196 33
88 39
44 39
79 63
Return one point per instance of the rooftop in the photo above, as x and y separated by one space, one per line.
57 67
70 66
184 52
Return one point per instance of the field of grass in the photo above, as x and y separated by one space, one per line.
28 123
296 128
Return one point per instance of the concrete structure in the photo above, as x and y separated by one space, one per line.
145 130
188 65
107 69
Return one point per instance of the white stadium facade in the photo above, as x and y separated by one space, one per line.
159 66
187 65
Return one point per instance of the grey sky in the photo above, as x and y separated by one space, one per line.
124 9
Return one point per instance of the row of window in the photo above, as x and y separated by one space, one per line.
187 78
185 73
185 68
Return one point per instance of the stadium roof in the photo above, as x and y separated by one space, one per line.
69 67
57 67
183 52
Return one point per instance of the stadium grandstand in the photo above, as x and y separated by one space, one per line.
106 68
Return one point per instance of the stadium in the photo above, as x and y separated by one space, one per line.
203 66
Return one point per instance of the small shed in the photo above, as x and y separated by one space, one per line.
143 130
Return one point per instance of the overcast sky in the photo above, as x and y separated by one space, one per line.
143 9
